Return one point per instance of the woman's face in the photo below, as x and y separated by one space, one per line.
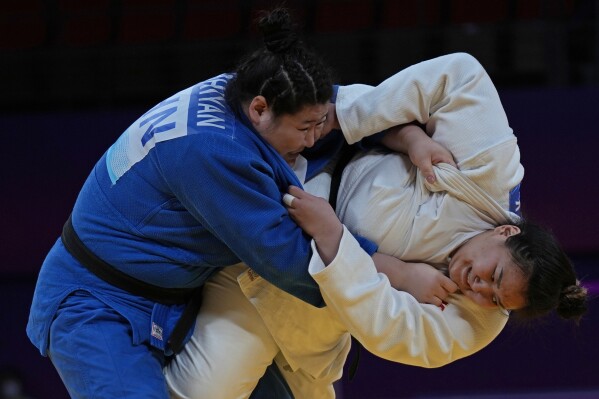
484 270
290 134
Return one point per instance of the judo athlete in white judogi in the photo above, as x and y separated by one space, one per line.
245 321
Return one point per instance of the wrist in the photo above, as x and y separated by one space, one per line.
402 276
331 236
328 243
393 268
413 135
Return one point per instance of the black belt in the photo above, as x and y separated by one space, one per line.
192 297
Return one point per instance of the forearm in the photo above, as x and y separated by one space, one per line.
402 137
393 268
387 322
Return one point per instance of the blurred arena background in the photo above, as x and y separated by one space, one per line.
75 73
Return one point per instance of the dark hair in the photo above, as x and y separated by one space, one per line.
284 71
552 282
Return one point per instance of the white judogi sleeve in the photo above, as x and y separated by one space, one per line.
392 324
457 101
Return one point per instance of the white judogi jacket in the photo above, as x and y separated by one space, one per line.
385 198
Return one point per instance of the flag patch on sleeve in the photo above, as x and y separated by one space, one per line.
515 200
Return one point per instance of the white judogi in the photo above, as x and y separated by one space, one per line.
384 198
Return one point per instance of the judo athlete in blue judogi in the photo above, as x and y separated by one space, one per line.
194 185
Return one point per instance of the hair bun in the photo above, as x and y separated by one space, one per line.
280 42
572 301
277 30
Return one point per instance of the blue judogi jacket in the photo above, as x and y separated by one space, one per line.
187 189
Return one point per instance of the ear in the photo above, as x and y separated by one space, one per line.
257 108
507 230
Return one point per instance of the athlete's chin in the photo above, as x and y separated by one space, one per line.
290 159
